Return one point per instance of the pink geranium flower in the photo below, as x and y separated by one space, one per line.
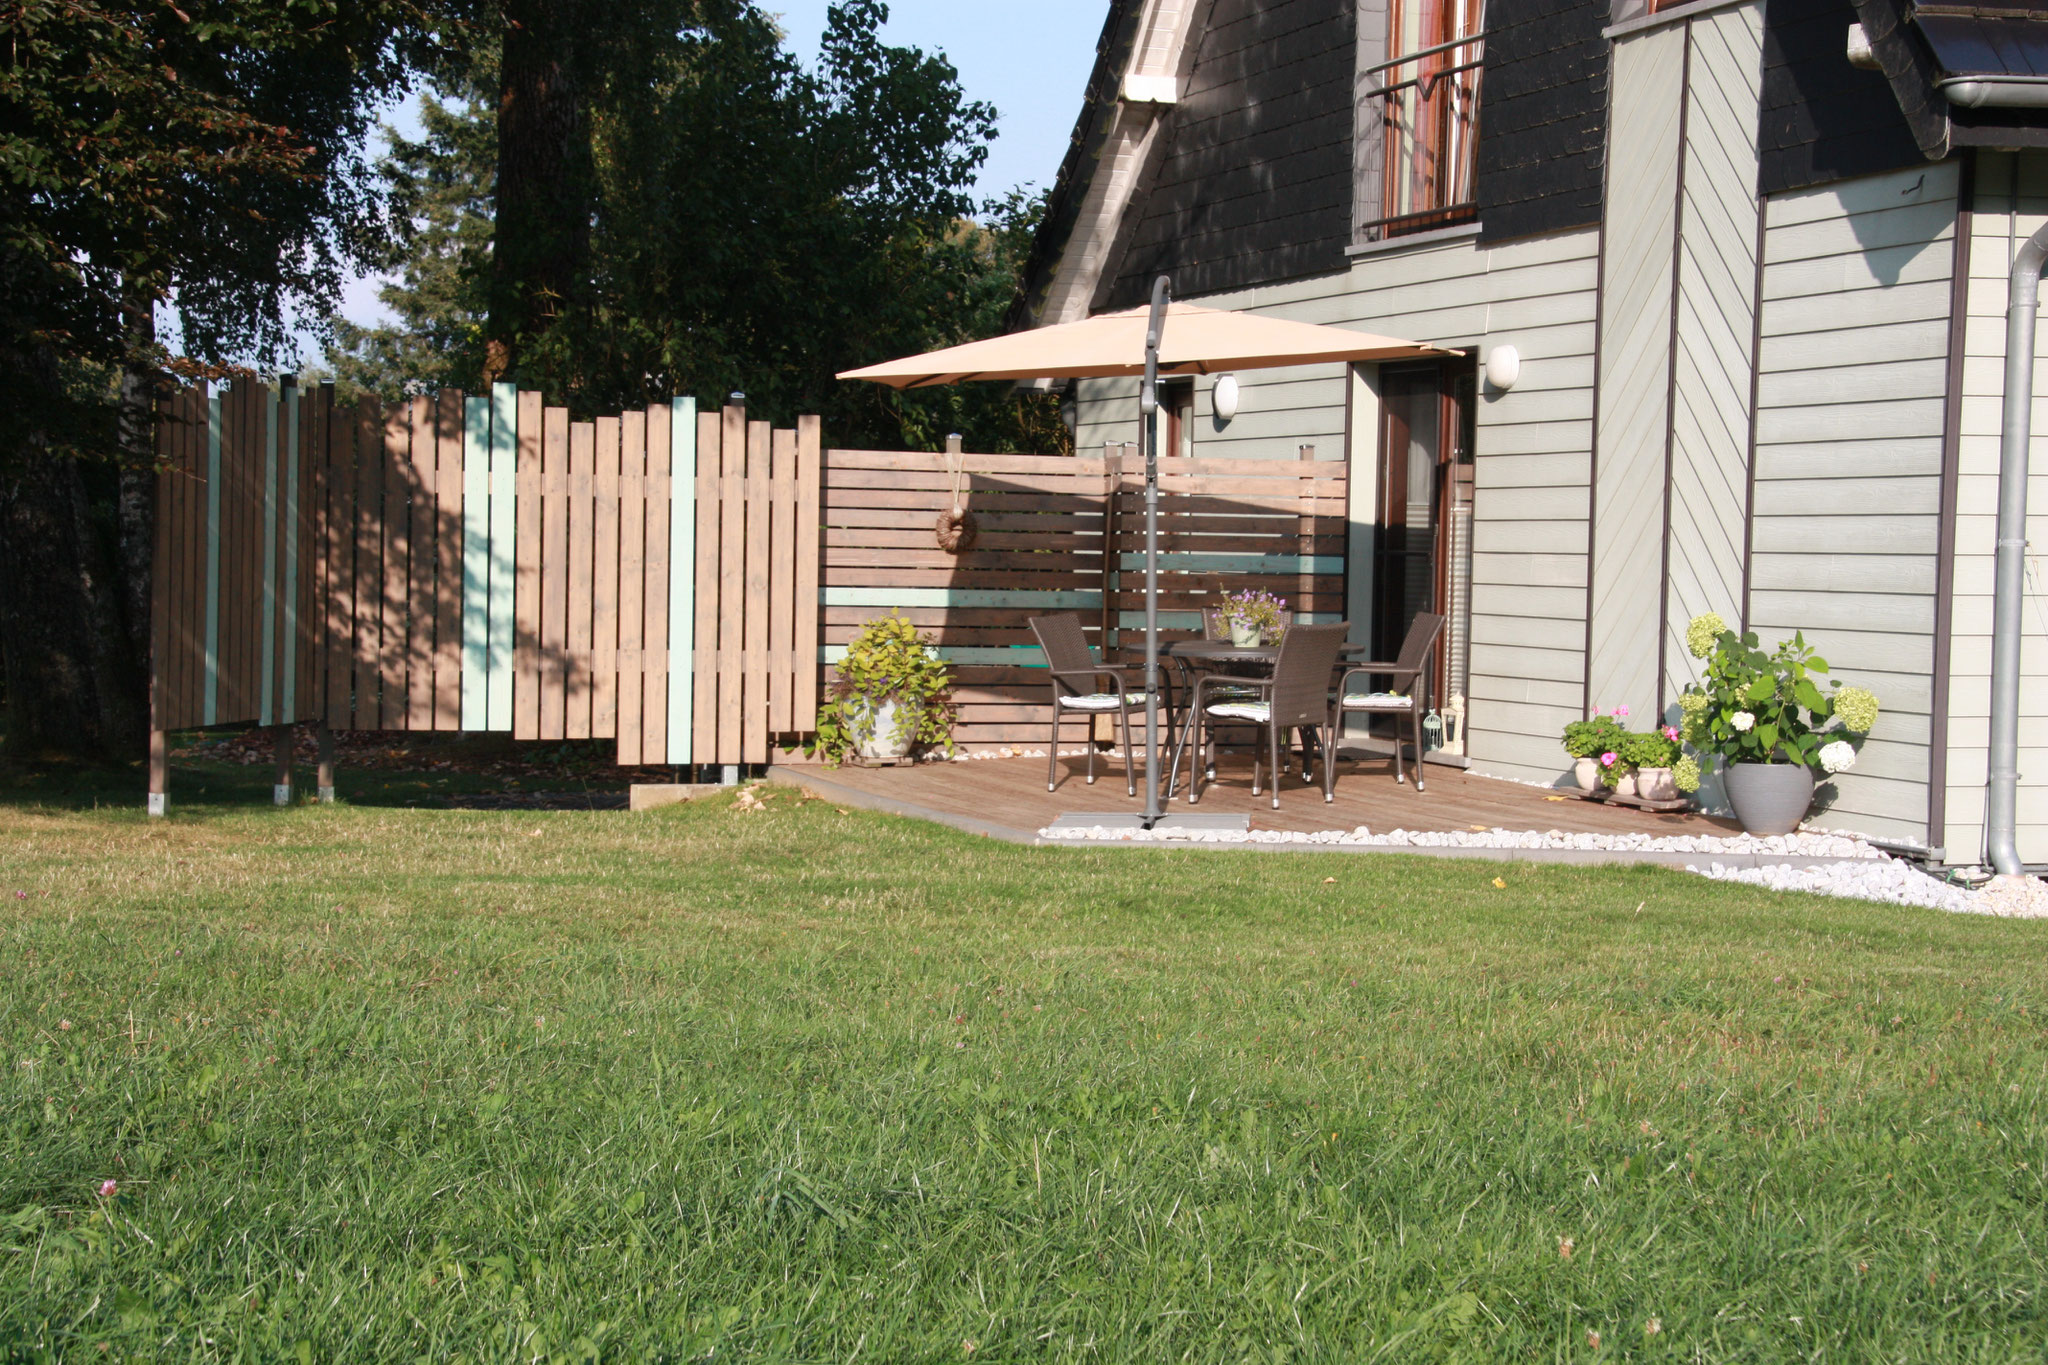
1607 759
1671 732
1620 712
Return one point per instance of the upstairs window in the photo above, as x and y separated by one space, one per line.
1427 91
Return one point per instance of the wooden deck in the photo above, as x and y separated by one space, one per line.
1011 792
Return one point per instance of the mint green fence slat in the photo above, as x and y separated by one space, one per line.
476 562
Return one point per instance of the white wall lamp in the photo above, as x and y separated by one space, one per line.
1223 399
1503 367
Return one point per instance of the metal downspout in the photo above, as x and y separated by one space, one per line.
2001 813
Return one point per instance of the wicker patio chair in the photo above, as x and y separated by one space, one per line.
1075 673
1297 694
1408 693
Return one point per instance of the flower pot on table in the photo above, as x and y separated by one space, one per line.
1625 785
1246 637
1769 798
1655 784
1586 772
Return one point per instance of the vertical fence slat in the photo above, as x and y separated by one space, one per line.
732 488
582 467
476 560
754 722
341 572
554 605
233 595
449 423
292 646
243 604
504 536
781 503
423 562
185 645
810 458
632 594
526 559
266 595
658 505
209 586
682 571
395 517
707 662
604 589
369 603
313 595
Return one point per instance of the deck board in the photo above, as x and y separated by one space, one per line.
1366 795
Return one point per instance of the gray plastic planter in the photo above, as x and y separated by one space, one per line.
1769 798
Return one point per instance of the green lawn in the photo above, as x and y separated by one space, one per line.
818 1085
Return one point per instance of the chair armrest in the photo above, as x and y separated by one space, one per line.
1115 675
1371 670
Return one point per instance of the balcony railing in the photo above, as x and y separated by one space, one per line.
1431 115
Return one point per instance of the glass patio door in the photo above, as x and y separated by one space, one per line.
1423 546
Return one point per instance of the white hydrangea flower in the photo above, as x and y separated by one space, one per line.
1742 721
1838 757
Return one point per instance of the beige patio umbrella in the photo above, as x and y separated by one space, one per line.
1110 345
1166 338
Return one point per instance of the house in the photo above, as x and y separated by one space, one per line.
1727 280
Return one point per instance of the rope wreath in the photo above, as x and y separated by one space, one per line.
956 529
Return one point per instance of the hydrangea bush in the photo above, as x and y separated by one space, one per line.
1758 707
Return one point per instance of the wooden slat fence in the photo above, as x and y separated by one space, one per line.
481 562
1065 534
674 580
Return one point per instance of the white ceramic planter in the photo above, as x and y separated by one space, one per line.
878 737
1586 772
1625 785
1246 637
1655 784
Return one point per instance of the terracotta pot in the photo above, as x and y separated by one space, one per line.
1655 784
1769 798
1586 772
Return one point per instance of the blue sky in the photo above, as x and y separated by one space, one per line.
1029 58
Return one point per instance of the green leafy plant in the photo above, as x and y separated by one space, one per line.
1604 733
1651 748
889 661
1758 707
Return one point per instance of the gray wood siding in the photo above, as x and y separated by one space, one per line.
1533 451
2010 202
1851 391
1635 370
1715 332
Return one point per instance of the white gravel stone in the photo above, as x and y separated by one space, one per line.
1866 873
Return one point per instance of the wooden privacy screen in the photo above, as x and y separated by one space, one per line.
1063 534
480 562
461 562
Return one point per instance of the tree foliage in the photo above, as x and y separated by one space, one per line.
755 226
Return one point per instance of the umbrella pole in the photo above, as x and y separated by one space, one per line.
1148 410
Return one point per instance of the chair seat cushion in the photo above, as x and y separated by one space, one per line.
1100 701
1377 701
1254 711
